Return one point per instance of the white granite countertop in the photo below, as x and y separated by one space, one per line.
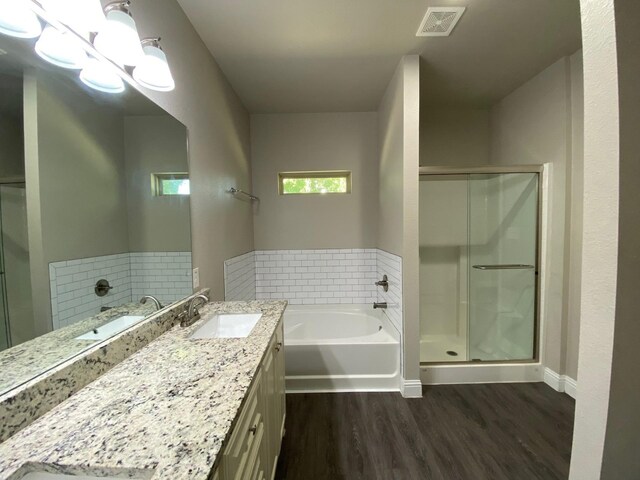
164 413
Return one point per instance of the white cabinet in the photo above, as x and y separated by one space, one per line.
254 444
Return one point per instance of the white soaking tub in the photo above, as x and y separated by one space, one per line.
340 348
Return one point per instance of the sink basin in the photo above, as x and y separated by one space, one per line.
110 329
227 325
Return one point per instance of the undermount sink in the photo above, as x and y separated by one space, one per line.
113 327
227 325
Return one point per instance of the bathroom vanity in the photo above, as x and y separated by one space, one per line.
185 406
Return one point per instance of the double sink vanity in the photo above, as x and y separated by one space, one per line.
203 401
96 381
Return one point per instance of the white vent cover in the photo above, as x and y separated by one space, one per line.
439 21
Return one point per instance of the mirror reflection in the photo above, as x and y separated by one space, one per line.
94 213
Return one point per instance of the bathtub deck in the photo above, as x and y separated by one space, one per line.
464 432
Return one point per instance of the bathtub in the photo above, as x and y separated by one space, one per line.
340 348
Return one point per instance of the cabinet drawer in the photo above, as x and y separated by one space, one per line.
251 456
242 438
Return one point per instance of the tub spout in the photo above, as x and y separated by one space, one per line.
379 305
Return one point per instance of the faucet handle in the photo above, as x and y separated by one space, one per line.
384 283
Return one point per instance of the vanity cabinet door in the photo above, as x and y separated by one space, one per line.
274 378
268 368
244 447
281 404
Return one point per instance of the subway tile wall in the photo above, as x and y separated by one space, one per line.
72 282
317 276
240 277
165 275
391 265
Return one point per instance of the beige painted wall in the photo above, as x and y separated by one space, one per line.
155 144
219 147
11 130
322 141
574 219
621 459
390 169
69 137
606 430
455 136
533 125
398 228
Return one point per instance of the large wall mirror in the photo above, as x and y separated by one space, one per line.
94 213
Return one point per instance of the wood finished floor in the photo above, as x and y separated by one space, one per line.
459 432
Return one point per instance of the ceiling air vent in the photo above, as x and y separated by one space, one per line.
439 21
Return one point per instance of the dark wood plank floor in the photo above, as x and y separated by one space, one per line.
465 432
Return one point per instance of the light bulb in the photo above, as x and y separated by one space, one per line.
82 16
153 69
118 39
60 48
18 20
101 76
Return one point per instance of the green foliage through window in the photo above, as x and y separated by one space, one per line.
315 183
164 184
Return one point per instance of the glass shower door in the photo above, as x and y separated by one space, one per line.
503 235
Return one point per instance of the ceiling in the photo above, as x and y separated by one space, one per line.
339 55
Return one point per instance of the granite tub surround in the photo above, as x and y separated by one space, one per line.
26 403
168 409
21 363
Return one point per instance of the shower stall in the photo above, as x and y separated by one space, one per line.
479 241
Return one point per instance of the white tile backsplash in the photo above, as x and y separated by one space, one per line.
391 265
166 275
240 278
316 276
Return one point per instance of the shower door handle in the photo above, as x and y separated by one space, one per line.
508 266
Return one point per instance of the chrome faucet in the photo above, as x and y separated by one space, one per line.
384 283
379 305
191 314
144 299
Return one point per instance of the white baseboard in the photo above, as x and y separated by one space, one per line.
341 383
481 373
411 388
560 383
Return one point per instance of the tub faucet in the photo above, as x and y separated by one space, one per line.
144 299
379 305
191 314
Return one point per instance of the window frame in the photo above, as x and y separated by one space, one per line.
282 176
158 178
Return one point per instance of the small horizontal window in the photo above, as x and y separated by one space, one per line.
310 183
165 184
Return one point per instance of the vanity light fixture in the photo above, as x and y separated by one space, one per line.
60 48
82 16
153 69
101 76
118 39
18 20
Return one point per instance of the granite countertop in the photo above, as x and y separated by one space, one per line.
164 412
21 363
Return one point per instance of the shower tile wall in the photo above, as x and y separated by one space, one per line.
240 277
166 275
317 276
72 282
391 265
